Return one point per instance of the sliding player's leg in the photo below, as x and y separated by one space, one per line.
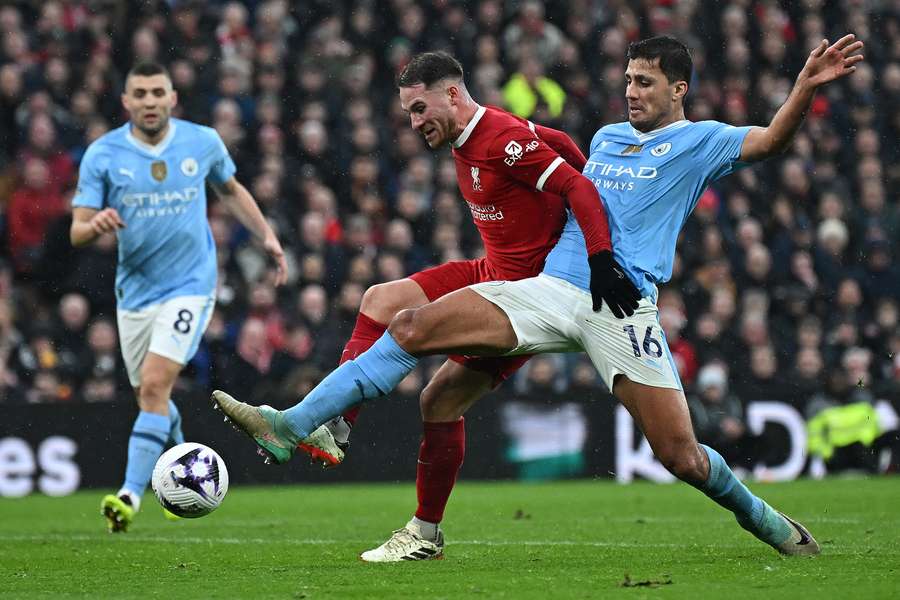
633 356
379 305
462 322
662 414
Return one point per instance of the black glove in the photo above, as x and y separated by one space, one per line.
610 283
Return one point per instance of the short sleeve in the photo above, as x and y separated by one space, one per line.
221 165
720 148
517 152
90 190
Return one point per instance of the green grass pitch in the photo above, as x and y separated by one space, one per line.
584 539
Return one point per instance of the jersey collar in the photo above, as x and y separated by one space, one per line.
157 149
646 137
458 142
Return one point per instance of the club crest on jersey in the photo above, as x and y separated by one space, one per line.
189 167
633 149
476 181
158 170
661 149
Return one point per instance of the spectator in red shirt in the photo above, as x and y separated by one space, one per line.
32 207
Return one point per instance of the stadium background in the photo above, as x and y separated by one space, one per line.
785 288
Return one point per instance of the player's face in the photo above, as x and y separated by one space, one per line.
149 101
652 100
430 112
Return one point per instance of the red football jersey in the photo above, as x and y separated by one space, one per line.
502 167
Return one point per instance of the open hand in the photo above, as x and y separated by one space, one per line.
827 63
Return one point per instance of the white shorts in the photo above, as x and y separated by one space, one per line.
171 329
549 314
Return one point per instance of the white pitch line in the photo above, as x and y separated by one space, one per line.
320 542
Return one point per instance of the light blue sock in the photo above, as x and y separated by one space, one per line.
373 373
751 512
176 436
148 440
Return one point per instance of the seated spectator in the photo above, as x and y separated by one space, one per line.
763 382
718 415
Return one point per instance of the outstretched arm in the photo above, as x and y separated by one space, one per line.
242 205
825 64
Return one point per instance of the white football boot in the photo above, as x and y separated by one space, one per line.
407 544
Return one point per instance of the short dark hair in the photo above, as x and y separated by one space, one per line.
674 57
148 69
429 68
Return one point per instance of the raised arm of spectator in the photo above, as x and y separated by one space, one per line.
241 204
825 64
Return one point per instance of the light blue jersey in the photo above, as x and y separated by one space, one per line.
649 184
166 248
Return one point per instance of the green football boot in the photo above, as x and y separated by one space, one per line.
274 440
118 512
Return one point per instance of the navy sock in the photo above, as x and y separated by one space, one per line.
373 373
148 439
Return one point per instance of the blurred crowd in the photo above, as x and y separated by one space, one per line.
785 285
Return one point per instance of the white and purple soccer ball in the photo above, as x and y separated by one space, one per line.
190 480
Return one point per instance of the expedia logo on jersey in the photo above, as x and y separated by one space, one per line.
514 151
160 204
476 180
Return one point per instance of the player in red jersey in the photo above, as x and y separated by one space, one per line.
517 183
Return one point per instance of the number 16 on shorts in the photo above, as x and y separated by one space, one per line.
651 346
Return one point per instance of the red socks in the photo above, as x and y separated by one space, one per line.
365 333
440 457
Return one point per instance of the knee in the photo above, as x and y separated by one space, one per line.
408 329
684 461
440 404
154 391
379 302
430 403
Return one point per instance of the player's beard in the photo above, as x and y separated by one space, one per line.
162 121
646 124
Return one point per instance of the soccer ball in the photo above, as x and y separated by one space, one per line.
190 480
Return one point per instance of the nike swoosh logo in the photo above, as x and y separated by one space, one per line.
804 537
127 173
427 464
